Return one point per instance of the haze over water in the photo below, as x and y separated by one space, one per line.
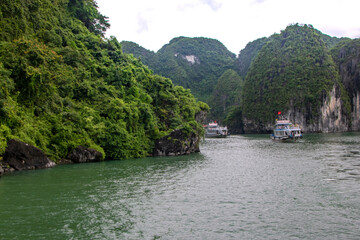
241 187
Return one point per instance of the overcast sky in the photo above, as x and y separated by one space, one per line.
153 23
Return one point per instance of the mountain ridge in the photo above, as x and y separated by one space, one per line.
304 35
193 63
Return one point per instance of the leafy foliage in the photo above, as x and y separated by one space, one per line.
248 54
294 70
86 11
194 63
234 120
62 85
227 93
148 57
346 56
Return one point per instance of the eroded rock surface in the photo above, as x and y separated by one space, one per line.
23 156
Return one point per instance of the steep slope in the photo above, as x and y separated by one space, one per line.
194 63
294 73
248 54
347 56
251 50
226 94
147 57
63 85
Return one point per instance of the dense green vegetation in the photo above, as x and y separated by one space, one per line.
194 63
293 70
64 85
248 54
346 56
147 57
226 94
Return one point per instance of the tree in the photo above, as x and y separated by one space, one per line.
87 12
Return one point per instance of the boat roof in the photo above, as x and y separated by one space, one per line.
286 123
283 122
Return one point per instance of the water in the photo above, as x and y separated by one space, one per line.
242 187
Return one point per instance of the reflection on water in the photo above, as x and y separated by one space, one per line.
241 187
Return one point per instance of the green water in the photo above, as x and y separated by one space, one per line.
242 187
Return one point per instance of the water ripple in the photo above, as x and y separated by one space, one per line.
242 187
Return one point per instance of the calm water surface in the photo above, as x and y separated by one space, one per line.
242 187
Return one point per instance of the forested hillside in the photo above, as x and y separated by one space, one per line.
347 57
147 57
292 72
64 85
194 63
226 94
310 77
248 54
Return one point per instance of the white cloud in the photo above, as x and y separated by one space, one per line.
213 4
142 24
233 22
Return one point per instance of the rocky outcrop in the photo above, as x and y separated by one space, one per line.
332 117
348 58
82 155
200 117
178 142
22 156
355 113
256 127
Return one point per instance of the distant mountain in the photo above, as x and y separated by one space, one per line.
194 63
310 77
226 94
146 56
294 73
248 54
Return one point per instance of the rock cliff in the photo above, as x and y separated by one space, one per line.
331 118
177 143
180 141
347 56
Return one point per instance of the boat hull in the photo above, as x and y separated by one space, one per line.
285 138
215 136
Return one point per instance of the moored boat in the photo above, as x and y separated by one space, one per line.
213 130
286 130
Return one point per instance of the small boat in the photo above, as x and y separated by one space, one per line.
285 130
213 130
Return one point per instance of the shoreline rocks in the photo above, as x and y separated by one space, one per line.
22 156
82 154
177 143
